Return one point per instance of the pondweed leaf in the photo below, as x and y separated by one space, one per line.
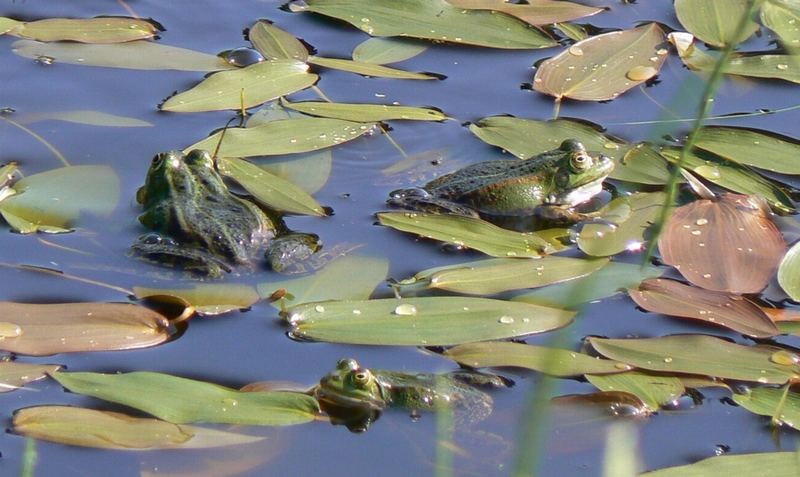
41 330
368 69
606 239
642 164
112 430
606 403
752 147
137 55
487 277
286 136
8 24
365 113
603 66
432 20
427 321
381 51
552 361
270 190
773 464
729 244
276 44
206 298
14 375
715 21
87 30
53 201
771 402
789 272
180 400
475 233
84 116
783 17
533 12
254 84
309 171
670 297
654 390
701 354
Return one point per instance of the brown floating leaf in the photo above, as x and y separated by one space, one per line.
724 309
616 403
15 375
533 12
40 330
207 298
724 245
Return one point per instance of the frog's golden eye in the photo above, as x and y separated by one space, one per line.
362 377
157 160
580 162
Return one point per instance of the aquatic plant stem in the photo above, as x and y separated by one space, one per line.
556 107
716 118
39 138
29 457
59 273
709 92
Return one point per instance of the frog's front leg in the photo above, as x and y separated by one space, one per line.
165 250
423 201
566 215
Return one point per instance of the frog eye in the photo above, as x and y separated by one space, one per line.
347 364
580 162
362 377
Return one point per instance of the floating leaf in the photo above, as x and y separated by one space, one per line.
771 402
15 375
255 84
8 24
773 464
55 200
655 391
609 280
752 147
642 164
287 136
276 44
380 51
433 20
308 171
715 21
474 233
180 400
40 330
365 113
112 430
84 116
427 321
604 66
789 272
534 12
601 240
137 55
670 297
700 354
610 403
784 19
368 69
270 190
87 30
207 298
727 245
552 361
487 277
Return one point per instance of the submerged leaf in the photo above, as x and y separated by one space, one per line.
728 244
715 21
87 30
533 12
773 464
654 390
309 171
789 272
40 330
603 66
207 298
380 51
368 69
752 147
112 430
427 321
84 116
365 113
276 44
180 400
602 240
14 375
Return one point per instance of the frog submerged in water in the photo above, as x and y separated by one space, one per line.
197 222
355 396
549 185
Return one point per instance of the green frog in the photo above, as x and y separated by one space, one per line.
549 185
355 396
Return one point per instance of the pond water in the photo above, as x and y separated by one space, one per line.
239 348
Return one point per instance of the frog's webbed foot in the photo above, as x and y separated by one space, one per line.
164 250
423 201
287 253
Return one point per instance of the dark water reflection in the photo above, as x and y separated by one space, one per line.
245 347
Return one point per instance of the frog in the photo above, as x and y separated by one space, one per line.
355 396
197 222
548 185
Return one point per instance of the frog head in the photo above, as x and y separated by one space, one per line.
350 385
576 175
175 176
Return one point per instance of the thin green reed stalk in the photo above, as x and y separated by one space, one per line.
28 458
703 112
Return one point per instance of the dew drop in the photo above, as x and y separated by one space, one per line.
9 330
706 275
506 320
406 309
641 73
667 359
784 357
575 50
782 67
701 221
707 171
319 308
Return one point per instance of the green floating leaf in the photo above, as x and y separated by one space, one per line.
553 361
87 30
701 354
432 20
784 19
8 24
475 234
268 189
276 44
365 113
55 200
112 430
368 69
253 85
772 464
14 375
287 136
427 321
207 298
602 240
715 21
84 116
180 400
538 12
655 391
771 402
789 272
380 51
487 277
752 147
609 280
642 164
604 66
137 55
